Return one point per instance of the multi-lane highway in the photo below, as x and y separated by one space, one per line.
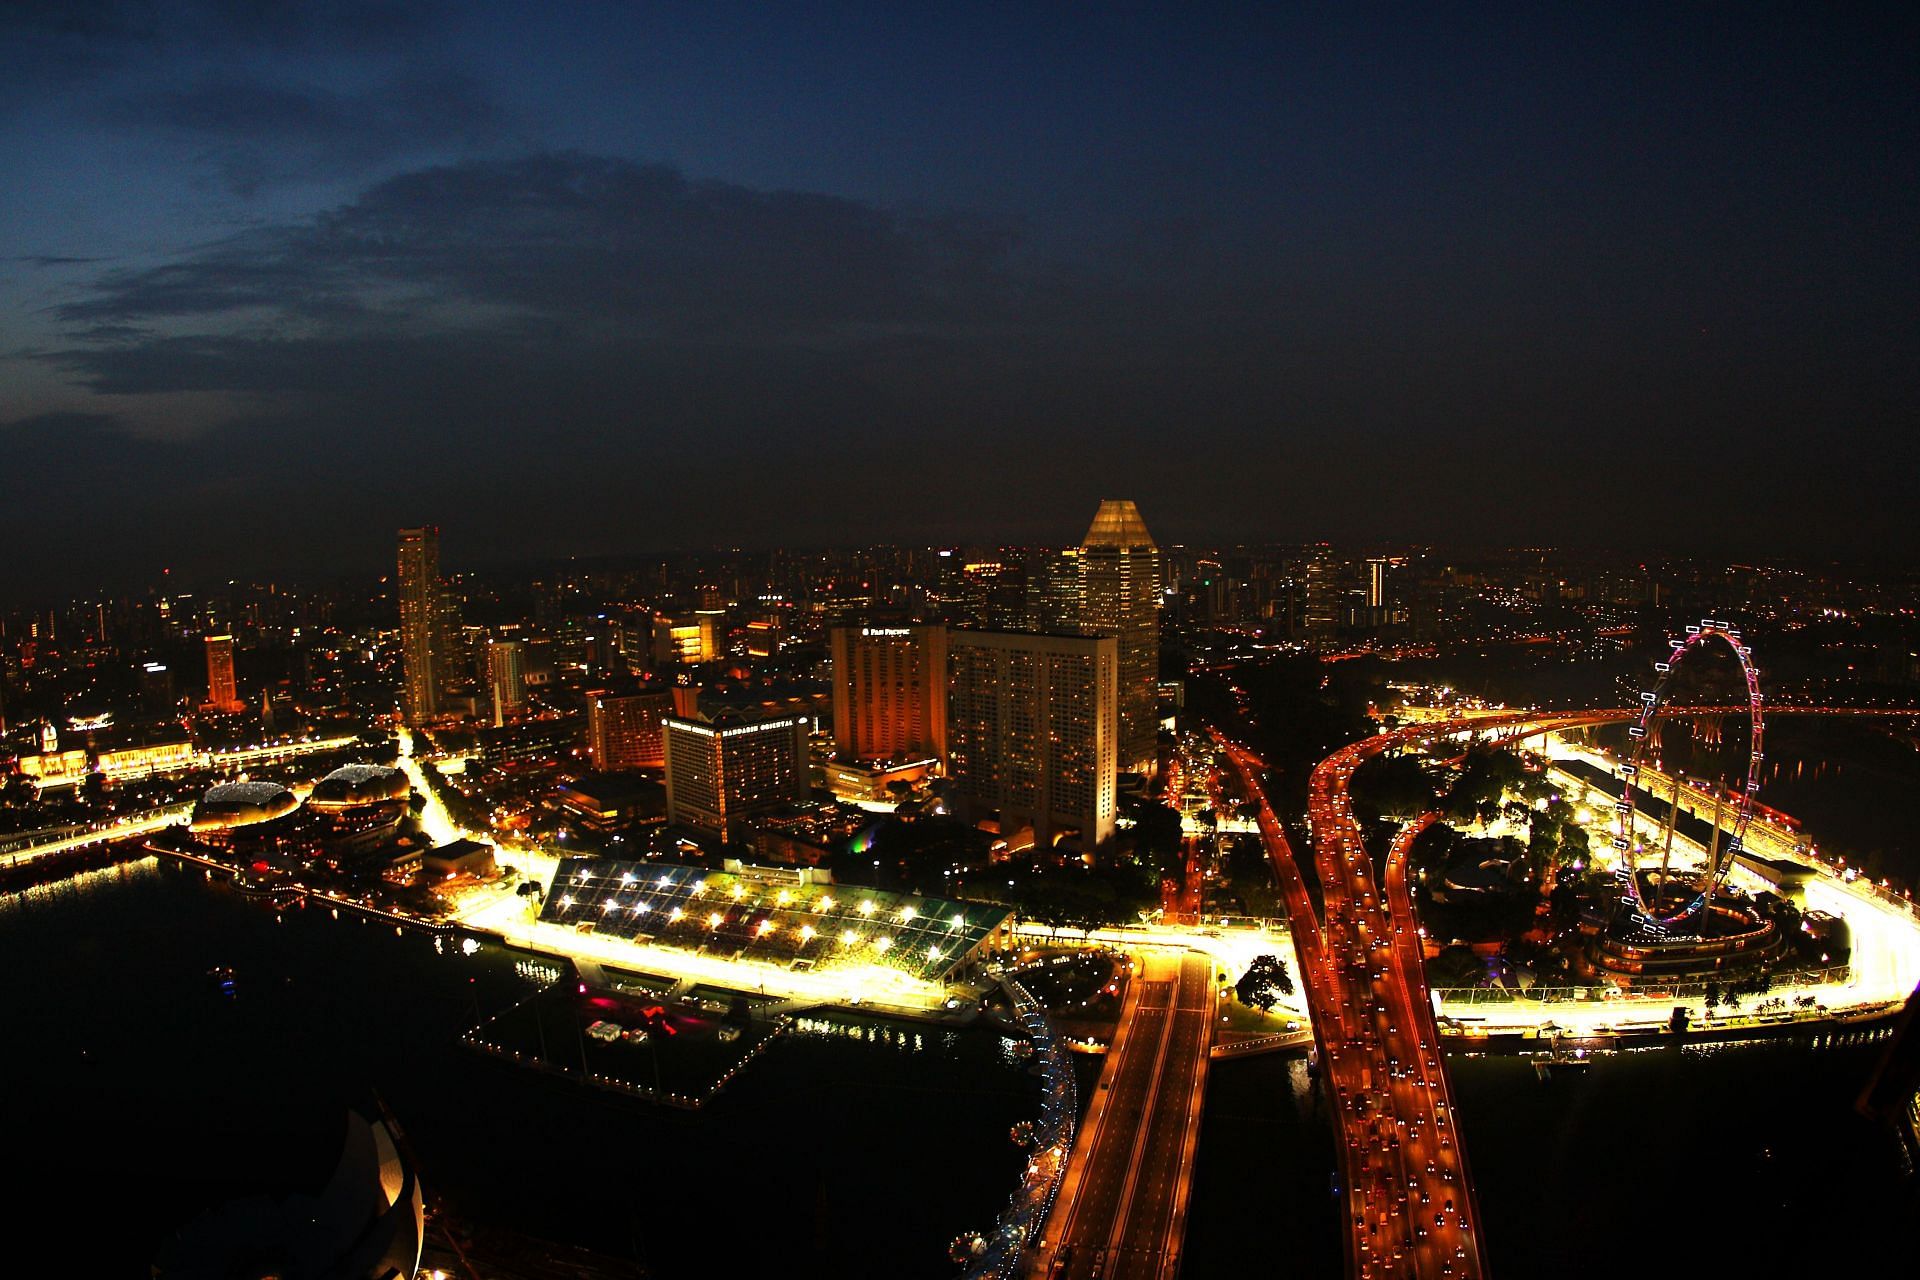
1409 1208
1123 1204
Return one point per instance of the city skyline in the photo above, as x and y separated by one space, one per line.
1016 642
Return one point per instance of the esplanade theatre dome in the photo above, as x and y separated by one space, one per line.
241 804
353 785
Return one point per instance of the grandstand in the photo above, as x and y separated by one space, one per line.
781 920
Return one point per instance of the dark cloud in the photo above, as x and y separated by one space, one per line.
261 134
570 353
575 245
54 260
58 45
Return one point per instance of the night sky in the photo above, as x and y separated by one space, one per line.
628 277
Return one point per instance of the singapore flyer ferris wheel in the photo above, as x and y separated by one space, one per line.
1651 899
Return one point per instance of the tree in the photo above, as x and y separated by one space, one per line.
1264 982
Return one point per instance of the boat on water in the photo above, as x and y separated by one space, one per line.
1558 1058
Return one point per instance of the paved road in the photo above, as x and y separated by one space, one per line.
1128 1201
1150 1232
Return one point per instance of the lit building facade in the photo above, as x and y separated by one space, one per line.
626 730
1033 731
1377 583
890 692
722 772
686 638
506 678
418 592
1323 598
1120 584
223 692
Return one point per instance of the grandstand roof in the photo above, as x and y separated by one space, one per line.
775 922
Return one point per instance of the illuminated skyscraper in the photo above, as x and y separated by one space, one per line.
223 693
724 771
1377 583
506 678
1120 596
1323 598
625 730
890 692
418 592
1032 732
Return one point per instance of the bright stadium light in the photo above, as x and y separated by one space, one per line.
826 903
766 927
906 915
866 908
566 900
736 891
806 932
664 881
676 914
882 944
784 897
848 937
959 919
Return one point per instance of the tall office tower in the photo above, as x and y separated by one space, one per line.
890 692
1377 584
1120 597
1323 598
624 730
1032 731
1053 590
223 694
420 617
724 771
506 678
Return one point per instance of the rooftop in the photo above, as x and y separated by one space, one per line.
1117 524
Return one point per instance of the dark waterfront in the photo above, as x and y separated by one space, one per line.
134 1081
1737 1160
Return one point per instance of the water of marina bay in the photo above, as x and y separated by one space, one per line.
138 1094
1730 1160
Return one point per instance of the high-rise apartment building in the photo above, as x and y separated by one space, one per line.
625 730
1323 598
418 594
722 772
506 678
223 692
1120 596
1033 731
890 691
